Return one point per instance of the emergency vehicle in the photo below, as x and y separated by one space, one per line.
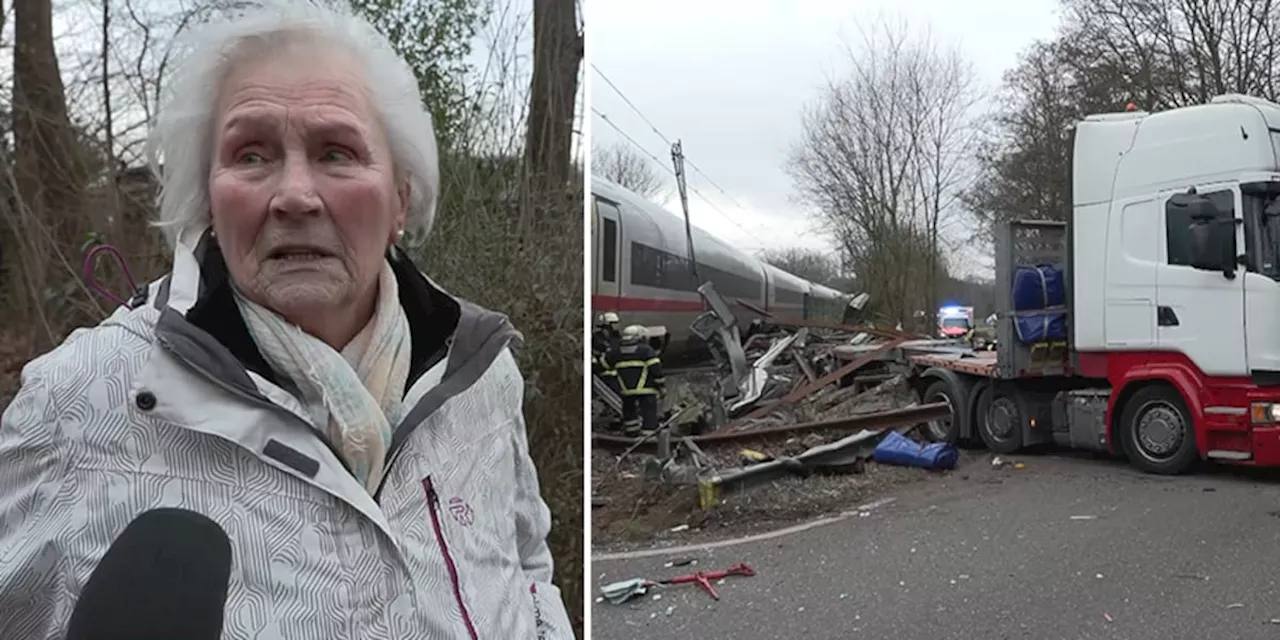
954 322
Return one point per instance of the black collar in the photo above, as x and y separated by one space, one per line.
432 314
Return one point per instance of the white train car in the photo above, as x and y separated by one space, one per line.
788 294
640 269
826 303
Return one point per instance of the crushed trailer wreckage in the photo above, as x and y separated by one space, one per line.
794 398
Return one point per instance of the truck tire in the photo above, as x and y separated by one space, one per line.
1000 419
946 429
1157 433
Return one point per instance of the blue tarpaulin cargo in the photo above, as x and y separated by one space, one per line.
898 449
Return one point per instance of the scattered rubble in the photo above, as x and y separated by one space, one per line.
790 418
624 590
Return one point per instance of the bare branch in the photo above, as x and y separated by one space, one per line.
628 168
882 155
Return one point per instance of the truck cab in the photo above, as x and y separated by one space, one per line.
1182 204
1146 324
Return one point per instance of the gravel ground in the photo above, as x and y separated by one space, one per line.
635 511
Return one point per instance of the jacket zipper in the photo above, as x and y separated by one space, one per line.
434 501
397 444
539 625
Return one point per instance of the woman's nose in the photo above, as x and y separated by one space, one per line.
296 190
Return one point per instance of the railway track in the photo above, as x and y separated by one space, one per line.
890 419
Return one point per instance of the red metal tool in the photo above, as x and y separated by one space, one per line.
704 578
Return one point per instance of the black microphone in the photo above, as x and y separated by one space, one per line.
164 578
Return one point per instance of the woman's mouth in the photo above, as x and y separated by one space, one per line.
299 254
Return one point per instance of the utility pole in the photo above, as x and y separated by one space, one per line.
677 159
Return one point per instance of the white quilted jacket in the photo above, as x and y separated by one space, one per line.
169 404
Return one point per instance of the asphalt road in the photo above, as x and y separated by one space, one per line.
990 554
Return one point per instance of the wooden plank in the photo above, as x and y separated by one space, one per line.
807 389
804 364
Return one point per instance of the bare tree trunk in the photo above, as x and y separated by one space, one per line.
557 57
112 213
49 169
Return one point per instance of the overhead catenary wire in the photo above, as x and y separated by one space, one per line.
640 147
662 135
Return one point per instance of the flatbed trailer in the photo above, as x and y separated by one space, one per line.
1026 393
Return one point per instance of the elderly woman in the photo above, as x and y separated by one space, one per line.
354 429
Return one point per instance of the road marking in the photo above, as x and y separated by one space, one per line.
768 535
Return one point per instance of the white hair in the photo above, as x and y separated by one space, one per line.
180 145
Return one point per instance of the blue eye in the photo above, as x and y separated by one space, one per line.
250 158
336 155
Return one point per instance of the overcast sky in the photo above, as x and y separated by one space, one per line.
731 77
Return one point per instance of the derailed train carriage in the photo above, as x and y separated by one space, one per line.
640 269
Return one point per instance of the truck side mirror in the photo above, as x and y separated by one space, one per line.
1213 234
1273 209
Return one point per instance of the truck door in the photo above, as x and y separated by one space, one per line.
1200 314
606 234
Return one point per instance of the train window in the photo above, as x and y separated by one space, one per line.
788 296
653 268
609 239
609 268
659 269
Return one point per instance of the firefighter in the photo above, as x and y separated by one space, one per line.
603 339
639 371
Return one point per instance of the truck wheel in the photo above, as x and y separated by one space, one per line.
1000 420
943 429
1157 433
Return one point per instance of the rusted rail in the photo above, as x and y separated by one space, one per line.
880 420
847 328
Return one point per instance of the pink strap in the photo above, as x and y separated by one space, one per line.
90 260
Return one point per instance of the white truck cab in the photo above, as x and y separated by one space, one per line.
1174 207
1162 338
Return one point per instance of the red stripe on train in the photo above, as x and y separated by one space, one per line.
623 304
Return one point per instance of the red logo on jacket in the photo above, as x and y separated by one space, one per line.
461 511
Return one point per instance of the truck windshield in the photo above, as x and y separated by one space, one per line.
953 323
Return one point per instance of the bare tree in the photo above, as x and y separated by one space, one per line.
810 264
557 57
1025 160
879 158
1175 52
1158 55
945 88
628 168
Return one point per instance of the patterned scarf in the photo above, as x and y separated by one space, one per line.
356 394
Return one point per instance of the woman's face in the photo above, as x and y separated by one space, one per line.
302 190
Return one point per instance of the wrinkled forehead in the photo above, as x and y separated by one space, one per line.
262 77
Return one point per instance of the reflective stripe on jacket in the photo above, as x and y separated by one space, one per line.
638 367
